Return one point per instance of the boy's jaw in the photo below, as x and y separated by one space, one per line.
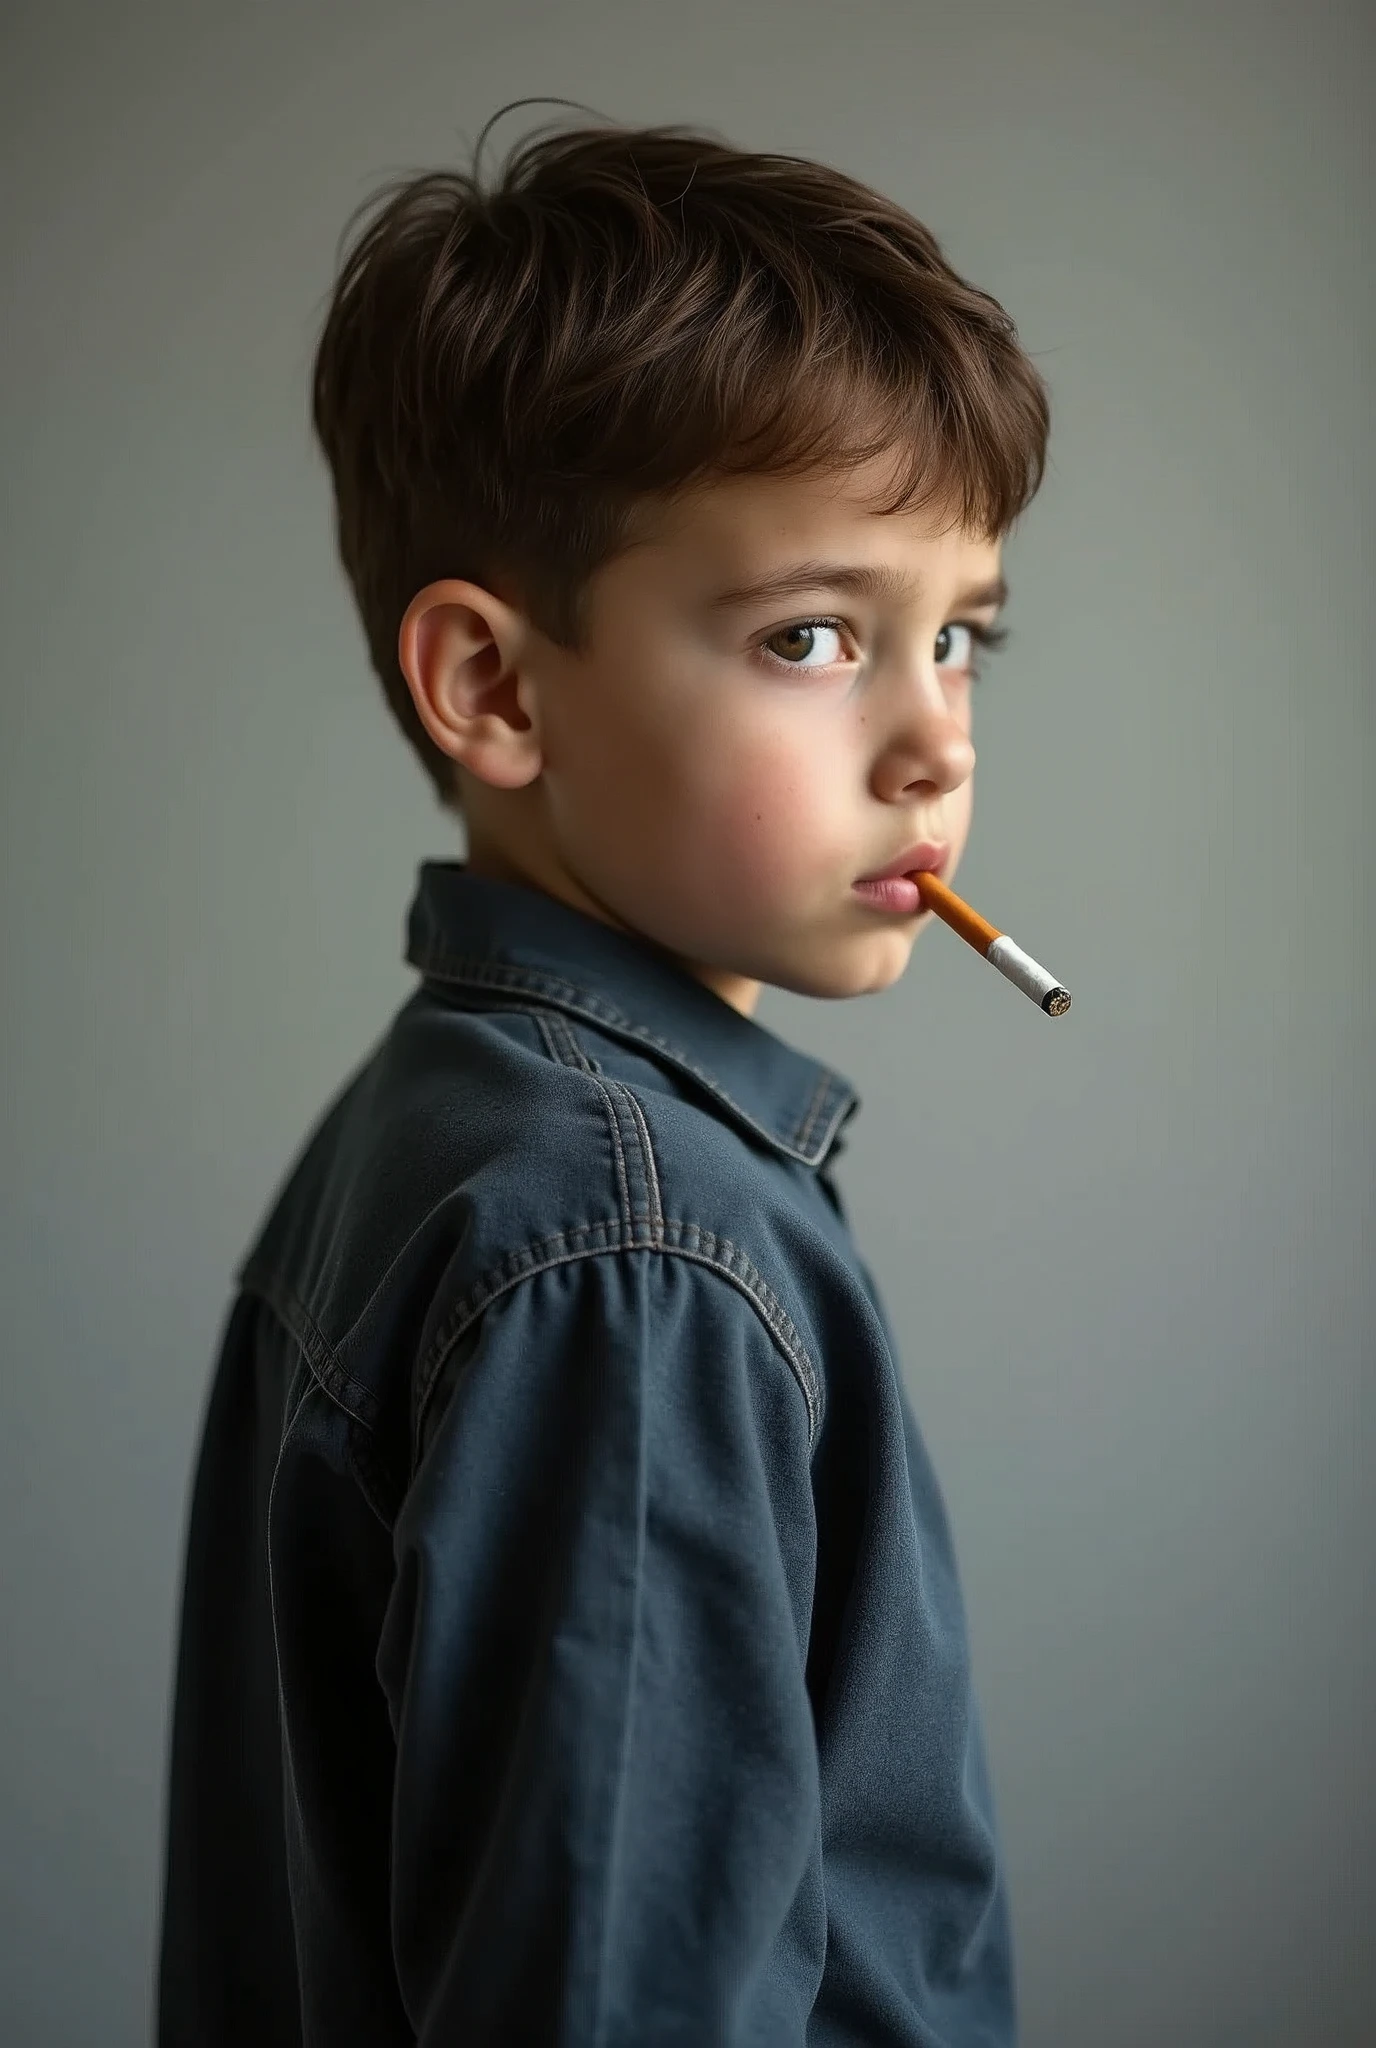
878 942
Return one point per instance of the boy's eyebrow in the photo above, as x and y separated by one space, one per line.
874 580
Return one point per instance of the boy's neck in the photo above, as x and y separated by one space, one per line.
495 864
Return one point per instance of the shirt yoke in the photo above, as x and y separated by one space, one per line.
479 1147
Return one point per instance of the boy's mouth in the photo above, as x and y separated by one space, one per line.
891 890
929 854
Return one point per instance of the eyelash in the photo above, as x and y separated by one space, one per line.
988 638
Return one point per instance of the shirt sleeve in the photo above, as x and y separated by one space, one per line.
606 1817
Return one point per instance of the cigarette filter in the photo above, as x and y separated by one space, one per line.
996 946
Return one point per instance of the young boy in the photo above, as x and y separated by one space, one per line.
572 1650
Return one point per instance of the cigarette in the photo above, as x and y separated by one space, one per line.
996 946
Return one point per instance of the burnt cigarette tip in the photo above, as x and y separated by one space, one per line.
1056 1002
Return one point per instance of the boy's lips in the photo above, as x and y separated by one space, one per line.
928 854
893 890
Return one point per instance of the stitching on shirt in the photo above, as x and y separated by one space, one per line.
652 1193
674 1236
565 1048
617 1097
643 1203
343 1389
679 1238
814 1110
438 960
560 1043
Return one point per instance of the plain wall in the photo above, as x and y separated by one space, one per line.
1127 1254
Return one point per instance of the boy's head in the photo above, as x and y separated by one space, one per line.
567 419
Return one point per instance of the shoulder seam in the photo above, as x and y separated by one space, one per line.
679 1239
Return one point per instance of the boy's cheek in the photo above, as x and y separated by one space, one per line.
761 812
775 836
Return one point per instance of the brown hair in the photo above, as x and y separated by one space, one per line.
504 374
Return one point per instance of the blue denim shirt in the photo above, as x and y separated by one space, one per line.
571 1647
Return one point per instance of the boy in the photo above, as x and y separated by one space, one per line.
572 1649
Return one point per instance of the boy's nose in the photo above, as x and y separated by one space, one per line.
931 746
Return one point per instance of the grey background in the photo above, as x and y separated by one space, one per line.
1127 1254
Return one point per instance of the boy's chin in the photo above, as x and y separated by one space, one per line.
832 973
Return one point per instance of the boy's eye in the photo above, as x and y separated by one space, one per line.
801 639
964 648
955 644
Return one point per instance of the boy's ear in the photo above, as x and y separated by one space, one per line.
459 648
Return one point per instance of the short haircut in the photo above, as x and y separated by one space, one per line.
506 376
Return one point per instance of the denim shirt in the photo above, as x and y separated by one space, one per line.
571 1643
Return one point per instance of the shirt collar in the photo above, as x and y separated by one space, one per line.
474 932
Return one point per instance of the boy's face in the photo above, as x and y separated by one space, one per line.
723 804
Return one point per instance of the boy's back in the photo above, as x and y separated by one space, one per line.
572 1646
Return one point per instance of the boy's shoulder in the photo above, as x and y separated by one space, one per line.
481 1141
